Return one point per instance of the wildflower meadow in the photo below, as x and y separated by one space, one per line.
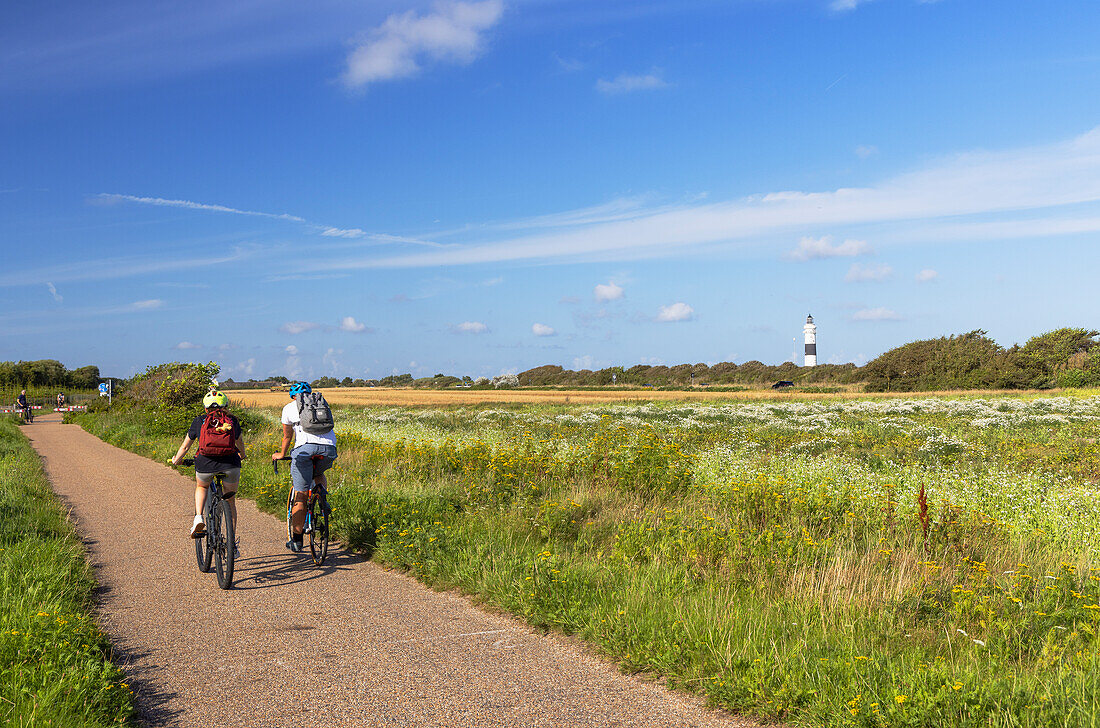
830 562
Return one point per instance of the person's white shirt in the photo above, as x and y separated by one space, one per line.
301 437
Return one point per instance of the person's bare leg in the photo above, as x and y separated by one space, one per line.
298 514
200 496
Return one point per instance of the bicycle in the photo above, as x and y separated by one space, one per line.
28 414
317 515
218 543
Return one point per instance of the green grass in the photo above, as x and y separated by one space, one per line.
55 666
773 558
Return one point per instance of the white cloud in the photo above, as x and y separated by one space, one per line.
840 6
349 324
859 273
1038 179
676 312
298 327
452 32
107 198
147 305
927 275
245 368
863 151
542 330
333 232
583 362
185 345
875 314
816 248
471 327
625 83
292 350
607 291
53 292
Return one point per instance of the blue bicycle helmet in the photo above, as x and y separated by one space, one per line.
300 388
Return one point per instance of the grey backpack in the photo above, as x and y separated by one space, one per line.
315 414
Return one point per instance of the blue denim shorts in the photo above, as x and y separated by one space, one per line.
303 469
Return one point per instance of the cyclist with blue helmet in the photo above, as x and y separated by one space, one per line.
312 455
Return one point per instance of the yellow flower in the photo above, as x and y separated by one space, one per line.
899 699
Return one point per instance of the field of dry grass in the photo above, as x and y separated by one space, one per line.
384 396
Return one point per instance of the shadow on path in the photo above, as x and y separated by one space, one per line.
273 570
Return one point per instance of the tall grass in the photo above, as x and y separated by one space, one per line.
857 564
55 666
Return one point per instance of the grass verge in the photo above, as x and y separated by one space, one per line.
55 663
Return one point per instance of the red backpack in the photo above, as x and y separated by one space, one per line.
216 435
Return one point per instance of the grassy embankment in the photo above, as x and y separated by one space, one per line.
859 563
55 667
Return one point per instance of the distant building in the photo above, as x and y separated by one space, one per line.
810 330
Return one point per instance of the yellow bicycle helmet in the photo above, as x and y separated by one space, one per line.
214 398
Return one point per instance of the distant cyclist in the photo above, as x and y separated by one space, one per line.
60 400
22 406
303 468
220 451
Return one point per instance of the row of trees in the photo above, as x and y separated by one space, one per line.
1066 357
46 373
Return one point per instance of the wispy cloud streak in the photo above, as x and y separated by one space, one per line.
108 197
979 183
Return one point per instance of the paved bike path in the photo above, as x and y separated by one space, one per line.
348 644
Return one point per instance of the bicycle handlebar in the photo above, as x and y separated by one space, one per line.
275 463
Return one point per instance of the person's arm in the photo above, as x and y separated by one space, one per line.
184 447
288 440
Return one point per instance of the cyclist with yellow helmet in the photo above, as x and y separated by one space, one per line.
220 451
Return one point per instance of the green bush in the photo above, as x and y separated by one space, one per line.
172 393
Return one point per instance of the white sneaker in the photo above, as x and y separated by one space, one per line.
198 528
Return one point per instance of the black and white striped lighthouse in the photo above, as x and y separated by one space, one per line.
810 330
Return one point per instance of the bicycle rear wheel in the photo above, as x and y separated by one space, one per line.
224 544
204 545
318 534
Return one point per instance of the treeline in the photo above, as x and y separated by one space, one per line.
46 373
1066 357
686 375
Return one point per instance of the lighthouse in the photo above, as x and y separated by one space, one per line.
810 330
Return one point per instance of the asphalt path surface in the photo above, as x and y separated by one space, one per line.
292 644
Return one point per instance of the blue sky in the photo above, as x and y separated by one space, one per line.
366 188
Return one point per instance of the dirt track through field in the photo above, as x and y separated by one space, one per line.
349 644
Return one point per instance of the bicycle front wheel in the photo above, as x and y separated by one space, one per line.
224 543
318 534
